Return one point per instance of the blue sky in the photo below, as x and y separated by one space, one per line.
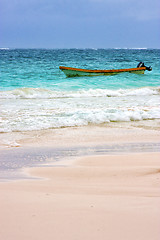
80 23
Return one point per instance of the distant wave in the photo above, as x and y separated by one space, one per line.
136 48
38 93
4 48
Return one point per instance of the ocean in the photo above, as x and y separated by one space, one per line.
36 95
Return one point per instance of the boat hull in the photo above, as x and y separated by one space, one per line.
77 72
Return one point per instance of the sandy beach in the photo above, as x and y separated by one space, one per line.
79 155
114 196
102 197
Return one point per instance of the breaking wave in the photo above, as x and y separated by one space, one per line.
33 93
27 109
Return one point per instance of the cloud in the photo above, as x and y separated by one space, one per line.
111 9
78 22
40 12
89 10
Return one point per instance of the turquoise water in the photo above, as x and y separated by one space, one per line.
40 68
35 94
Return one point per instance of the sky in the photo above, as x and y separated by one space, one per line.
80 23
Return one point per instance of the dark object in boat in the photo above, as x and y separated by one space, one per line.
141 64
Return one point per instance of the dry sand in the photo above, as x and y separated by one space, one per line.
99 197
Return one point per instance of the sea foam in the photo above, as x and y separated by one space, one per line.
27 109
38 93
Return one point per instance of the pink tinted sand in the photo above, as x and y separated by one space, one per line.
98 197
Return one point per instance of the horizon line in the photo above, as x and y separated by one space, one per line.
79 48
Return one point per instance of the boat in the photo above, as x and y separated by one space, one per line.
79 72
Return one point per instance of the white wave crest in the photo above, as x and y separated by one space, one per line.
39 119
4 48
27 109
38 93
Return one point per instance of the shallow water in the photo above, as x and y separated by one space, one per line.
13 161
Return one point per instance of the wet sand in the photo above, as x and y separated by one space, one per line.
138 131
114 196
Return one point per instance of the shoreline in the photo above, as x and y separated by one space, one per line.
20 150
83 191
14 160
136 131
